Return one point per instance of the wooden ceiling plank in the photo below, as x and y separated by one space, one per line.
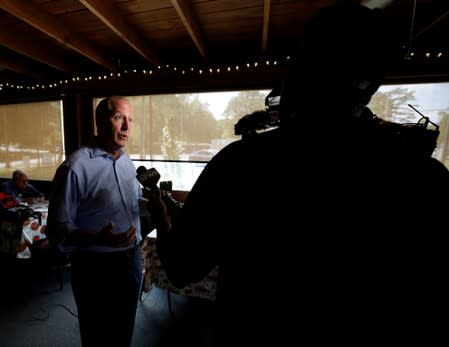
432 24
20 68
113 17
56 28
21 44
266 22
187 14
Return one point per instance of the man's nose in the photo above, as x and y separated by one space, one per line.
125 123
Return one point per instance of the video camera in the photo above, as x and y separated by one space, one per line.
416 138
262 119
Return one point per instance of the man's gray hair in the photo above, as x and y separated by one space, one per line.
106 108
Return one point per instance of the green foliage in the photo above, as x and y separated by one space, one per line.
170 147
393 105
241 104
443 138
163 122
199 123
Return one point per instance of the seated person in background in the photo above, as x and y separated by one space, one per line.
19 186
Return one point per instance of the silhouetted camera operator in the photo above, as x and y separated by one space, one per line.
322 215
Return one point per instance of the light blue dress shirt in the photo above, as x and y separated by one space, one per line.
92 189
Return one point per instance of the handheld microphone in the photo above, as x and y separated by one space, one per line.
148 178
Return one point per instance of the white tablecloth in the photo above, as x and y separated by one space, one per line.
155 274
33 230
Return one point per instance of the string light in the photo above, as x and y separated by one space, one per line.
185 71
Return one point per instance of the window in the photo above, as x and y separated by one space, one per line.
391 102
178 133
31 139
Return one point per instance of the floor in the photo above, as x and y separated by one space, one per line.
36 312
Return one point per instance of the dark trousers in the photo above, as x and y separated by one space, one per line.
106 289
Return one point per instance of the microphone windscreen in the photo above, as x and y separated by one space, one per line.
141 170
148 178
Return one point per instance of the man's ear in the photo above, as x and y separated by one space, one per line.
361 84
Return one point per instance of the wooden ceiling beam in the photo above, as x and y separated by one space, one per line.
22 44
266 25
20 67
432 24
187 14
53 26
114 18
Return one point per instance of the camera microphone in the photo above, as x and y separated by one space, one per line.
148 178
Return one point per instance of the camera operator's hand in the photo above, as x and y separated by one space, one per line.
158 208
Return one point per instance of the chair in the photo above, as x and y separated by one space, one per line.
43 256
47 257
10 231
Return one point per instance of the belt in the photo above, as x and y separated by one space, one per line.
130 252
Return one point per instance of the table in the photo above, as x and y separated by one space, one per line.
154 273
16 236
33 228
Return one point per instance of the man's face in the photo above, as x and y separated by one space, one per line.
119 125
21 181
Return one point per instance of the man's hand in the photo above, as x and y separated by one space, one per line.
107 237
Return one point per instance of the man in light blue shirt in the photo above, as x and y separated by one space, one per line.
94 215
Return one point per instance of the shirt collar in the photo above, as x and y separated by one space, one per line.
97 151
